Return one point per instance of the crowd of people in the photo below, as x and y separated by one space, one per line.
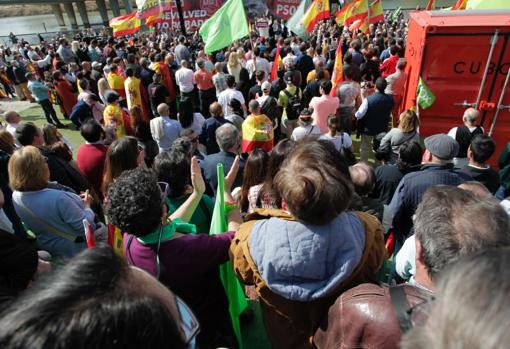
341 246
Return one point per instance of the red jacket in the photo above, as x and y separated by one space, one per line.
389 66
90 159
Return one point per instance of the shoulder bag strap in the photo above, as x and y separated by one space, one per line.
51 229
401 307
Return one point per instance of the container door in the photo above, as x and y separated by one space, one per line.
453 68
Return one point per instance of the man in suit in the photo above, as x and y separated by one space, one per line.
227 137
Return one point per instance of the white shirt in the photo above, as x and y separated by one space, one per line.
301 132
198 122
453 132
185 79
340 141
362 110
11 128
261 64
226 96
396 82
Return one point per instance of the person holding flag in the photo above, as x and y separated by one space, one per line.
164 245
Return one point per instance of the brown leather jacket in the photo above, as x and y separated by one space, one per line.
288 323
363 317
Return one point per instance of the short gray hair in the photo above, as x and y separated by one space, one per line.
227 136
471 305
451 222
471 115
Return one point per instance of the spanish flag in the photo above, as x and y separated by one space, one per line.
257 133
431 5
338 76
376 12
152 20
459 5
318 10
352 12
361 24
276 64
125 25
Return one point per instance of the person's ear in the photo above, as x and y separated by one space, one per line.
419 251
469 153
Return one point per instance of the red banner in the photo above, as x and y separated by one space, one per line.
284 8
195 13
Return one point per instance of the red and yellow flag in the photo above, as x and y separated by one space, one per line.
257 133
125 25
152 20
459 5
318 10
338 76
276 64
352 12
361 24
376 12
431 5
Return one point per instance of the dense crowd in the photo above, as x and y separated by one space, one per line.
313 219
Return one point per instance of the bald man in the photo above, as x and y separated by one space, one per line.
464 134
163 129
185 79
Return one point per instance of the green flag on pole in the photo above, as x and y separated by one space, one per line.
225 26
425 98
395 14
235 294
294 22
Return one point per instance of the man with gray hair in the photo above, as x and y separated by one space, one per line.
374 316
228 139
395 88
464 134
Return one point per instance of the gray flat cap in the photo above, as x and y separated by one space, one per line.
442 146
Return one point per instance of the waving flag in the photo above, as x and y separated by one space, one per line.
276 64
424 96
431 5
352 12
236 299
225 26
337 71
318 11
376 12
395 14
125 25
459 5
295 24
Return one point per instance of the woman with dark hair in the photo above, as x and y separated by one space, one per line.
302 259
188 118
142 132
254 173
186 263
264 195
126 309
123 154
244 84
172 167
235 113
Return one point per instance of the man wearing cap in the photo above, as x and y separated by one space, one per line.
437 168
269 107
305 127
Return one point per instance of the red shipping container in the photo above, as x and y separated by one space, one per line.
464 58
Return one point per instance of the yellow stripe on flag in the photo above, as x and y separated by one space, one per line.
352 12
318 10
125 25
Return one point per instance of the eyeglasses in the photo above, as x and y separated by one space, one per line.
188 321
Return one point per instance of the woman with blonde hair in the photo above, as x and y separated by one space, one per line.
233 65
241 57
55 216
407 130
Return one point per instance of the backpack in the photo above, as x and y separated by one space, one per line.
270 108
293 107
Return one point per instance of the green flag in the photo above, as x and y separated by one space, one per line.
294 22
235 294
395 14
225 26
425 98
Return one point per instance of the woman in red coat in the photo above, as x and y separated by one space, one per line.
65 92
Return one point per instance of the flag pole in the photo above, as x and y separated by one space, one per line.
250 26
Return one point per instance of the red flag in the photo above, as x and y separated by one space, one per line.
431 5
460 5
276 64
337 70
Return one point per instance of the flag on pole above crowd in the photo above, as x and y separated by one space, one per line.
236 299
125 25
424 96
338 76
375 12
276 64
352 12
295 23
459 5
318 11
225 26
395 14
431 5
